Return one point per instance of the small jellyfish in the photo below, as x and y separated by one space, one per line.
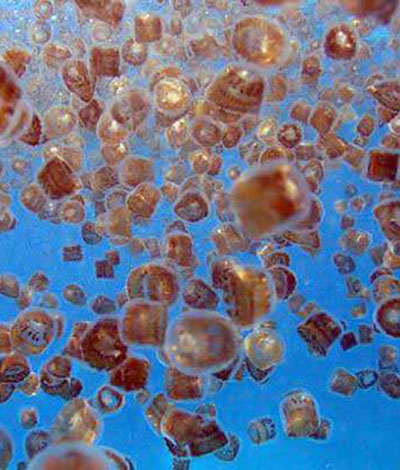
73 456
261 430
344 383
36 442
387 316
108 399
260 42
200 342
32 331
299 414
284 195
180 386
131 375
319 331
264 348
229 452
77 421
57 179
341 43
77 79
28 418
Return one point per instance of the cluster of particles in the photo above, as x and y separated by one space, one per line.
190 142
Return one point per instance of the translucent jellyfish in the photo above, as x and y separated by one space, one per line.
32 331
6 449
69 457
270 198
200 342
260 41
261 430
264 348
388 316
299 414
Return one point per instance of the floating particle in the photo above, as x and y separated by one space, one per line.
90 234
36 442
324 430
344 263
260 41
108 399
341 43
261 430
113 256
74 294
343 383
77 79
102 346
201 342
264 348
387 316
103 305
283 192
311 70
285 281
148 28
131 375
366 378
300 414
319 331
109 11
348 341
72 253
104 269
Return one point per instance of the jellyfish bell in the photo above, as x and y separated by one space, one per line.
201 342
69 457
300 415
387 316
270 197
264 348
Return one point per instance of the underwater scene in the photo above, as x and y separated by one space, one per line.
199 234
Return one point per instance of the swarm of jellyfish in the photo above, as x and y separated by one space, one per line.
189 145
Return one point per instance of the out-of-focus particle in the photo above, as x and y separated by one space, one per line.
300 111
109 11
359 310
148 28
387 316
344 263
296 302
90 234
365 334
39 281
199 295
261 430
180 386
144 322
356 241
343 383
77 79
382 165
143 200
136 170
102 345
384 287
180 464
156 410
237 89
389 383
229 452
17 59
284 192
9 286
28 418
90 114
300 414
104 269
6 391
77 421
113 256
105 62
179 248
201 342
14 368
264 348
72 253
57 179
324 430
323 118
348 341
36 442
386 93
5 339
134 52
341 43
311 70
319 331
74 294
22 465
202 437
103 305
388 358
108 399
366 379
260 42
131 375
32 331
346 221
289 135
